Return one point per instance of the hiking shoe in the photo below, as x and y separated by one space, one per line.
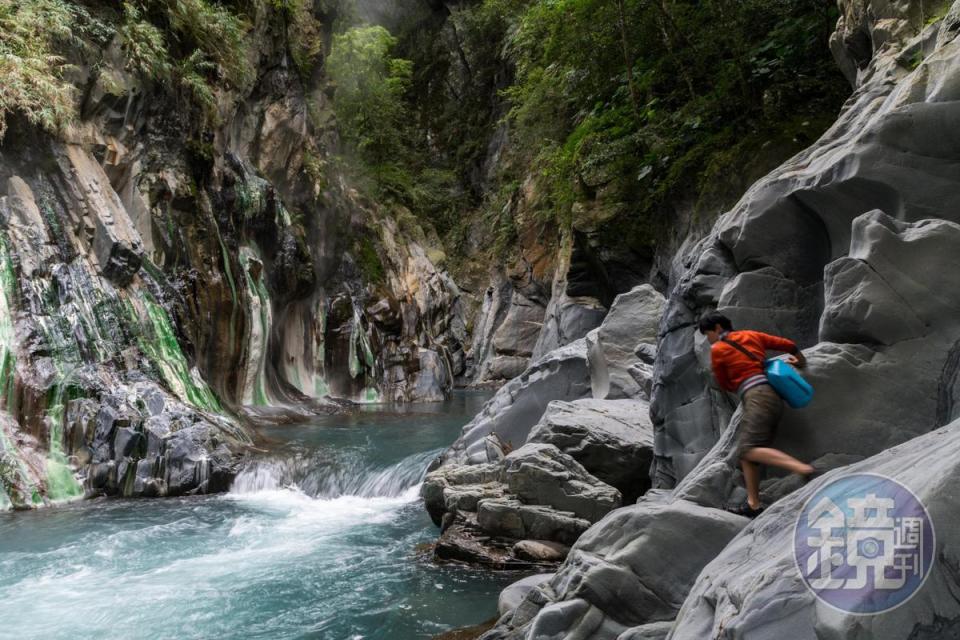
747 511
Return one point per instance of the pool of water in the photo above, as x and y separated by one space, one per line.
317 539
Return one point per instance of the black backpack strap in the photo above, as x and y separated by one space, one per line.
739 347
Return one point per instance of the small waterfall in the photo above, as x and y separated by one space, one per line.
320 477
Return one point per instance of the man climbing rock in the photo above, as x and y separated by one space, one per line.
737 359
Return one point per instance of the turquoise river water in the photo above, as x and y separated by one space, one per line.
317 539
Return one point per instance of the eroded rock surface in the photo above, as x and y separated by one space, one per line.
753 587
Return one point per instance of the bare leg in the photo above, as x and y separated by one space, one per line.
751 477
777 458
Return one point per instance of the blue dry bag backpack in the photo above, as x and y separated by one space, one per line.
788 382
784 379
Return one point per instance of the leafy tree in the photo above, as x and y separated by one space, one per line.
369 89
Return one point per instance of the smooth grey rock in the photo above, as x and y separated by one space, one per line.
432 380
868 397
860 306
634 319
513 594
736 594
517 335
542 474
612 439
632 568
518 405
652 631
567 319
766 301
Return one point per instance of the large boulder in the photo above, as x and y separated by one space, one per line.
754 590
562 374
634 319
632 568
542 474
612 439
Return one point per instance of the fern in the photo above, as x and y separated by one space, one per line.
32 74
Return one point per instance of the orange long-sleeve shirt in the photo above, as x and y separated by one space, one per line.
731 367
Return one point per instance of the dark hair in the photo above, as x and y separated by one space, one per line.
713 319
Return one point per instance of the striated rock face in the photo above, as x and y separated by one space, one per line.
223 263
737 592
542 474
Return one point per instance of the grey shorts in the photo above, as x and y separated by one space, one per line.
762 408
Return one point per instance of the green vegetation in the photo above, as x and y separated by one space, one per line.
197 47
369 90
634 104
368 260
303 33
30 68
623 110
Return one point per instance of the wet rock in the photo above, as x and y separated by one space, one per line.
511 596
128 442
612 439
634 319
542 474
463 541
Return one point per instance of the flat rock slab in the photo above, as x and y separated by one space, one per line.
464 542
542 474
